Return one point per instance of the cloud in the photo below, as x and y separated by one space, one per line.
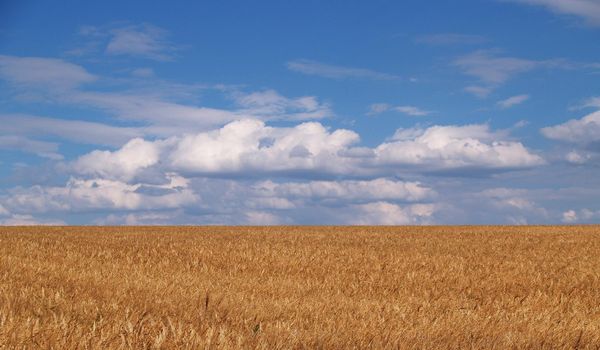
73 130
492 69
80 195
123 164
412 111
272 106
512 101
28 220
251 148
569 216
447 39
23 144
384 213
347 190
379 108
47 72
337 72
586 9
479 91
584 131
144 40
454 147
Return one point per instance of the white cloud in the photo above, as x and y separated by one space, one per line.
492 69
446 39
24 144
73 130
270 105
412 110
142 40
83 195
578 157
582 131
124 163
512 101
337 72
587 9
385 213
47 72
251 148
569 216
348 190
479 91
28 220
455 147
378 108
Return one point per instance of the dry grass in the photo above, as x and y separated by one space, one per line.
299 287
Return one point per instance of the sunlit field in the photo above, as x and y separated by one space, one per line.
300 287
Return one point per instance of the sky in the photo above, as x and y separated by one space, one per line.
300 112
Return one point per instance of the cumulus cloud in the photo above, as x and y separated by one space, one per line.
347 190
28 220
512 101
337 72
455 147
250 147
92 194
584 131
123 164
384 213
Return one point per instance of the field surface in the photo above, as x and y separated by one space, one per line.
299 287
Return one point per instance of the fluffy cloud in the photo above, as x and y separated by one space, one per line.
584 131
384 213
123 164
454 147
93 194
347 190
249 147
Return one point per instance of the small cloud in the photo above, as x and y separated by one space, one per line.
412 111
569 216
337 72
378 108
446 39
479 91
589 10
143 40
143 73
512 101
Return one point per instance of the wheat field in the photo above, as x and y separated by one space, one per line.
299 287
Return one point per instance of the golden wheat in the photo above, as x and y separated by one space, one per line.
300 287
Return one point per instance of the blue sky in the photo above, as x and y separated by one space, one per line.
312 112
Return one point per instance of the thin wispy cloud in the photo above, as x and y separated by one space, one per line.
512 101
446 39
337 72
378 108
589 10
